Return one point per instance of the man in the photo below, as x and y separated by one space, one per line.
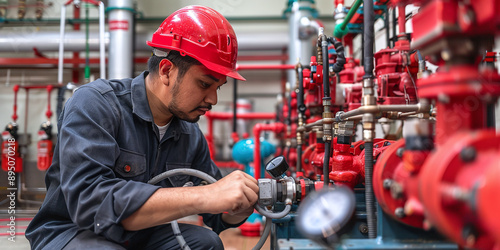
116 135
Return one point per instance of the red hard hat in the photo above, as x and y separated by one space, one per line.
203 34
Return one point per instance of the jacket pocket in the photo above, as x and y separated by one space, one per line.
178 180
130 165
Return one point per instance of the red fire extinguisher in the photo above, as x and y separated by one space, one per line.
11 157
45 149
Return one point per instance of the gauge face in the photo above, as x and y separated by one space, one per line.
325 212
277 166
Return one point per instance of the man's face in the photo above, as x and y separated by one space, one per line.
195 93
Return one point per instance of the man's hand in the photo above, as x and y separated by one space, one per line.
235 194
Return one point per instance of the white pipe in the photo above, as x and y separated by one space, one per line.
121 25
102 45
74 41
61 45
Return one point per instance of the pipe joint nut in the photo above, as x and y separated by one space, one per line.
267 192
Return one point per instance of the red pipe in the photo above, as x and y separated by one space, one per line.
14 116
76 55
49 112
265 67
210 136
77 60
283 57
40 87
211 116
248 116
17 219
8 234
402 19
259 127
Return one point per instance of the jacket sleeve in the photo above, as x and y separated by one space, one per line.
203 162
95 198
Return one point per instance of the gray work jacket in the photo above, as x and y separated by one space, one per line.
107 149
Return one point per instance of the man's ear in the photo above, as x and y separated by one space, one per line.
165 69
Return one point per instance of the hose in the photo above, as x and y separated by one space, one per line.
265 233
178 235
339 64
271 215
210 180
185 171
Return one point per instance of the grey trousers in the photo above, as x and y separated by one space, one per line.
160 237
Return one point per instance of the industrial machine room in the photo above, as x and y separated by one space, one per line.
231 124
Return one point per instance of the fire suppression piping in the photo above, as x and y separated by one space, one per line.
264 67
211 116
257 129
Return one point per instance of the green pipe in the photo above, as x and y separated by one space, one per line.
87 49
341 29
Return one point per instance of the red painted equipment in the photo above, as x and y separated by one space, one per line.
11 157
453 187
45 148
347 164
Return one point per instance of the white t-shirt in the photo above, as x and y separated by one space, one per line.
163 129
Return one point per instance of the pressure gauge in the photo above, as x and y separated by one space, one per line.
277 167
322 214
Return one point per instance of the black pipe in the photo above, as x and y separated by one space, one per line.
326 97
490 115
235 97
60 100
326 164
369 197
301 110
362 46
394 27
300 96
387 29
326 78
368 31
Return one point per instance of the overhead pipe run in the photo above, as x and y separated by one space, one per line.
75 41
86 38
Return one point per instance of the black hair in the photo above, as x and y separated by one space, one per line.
183 63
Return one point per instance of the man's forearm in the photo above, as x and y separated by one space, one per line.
236 193
165 205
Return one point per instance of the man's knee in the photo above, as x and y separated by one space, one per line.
89 240
201 238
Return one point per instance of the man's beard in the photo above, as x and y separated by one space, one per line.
172 107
